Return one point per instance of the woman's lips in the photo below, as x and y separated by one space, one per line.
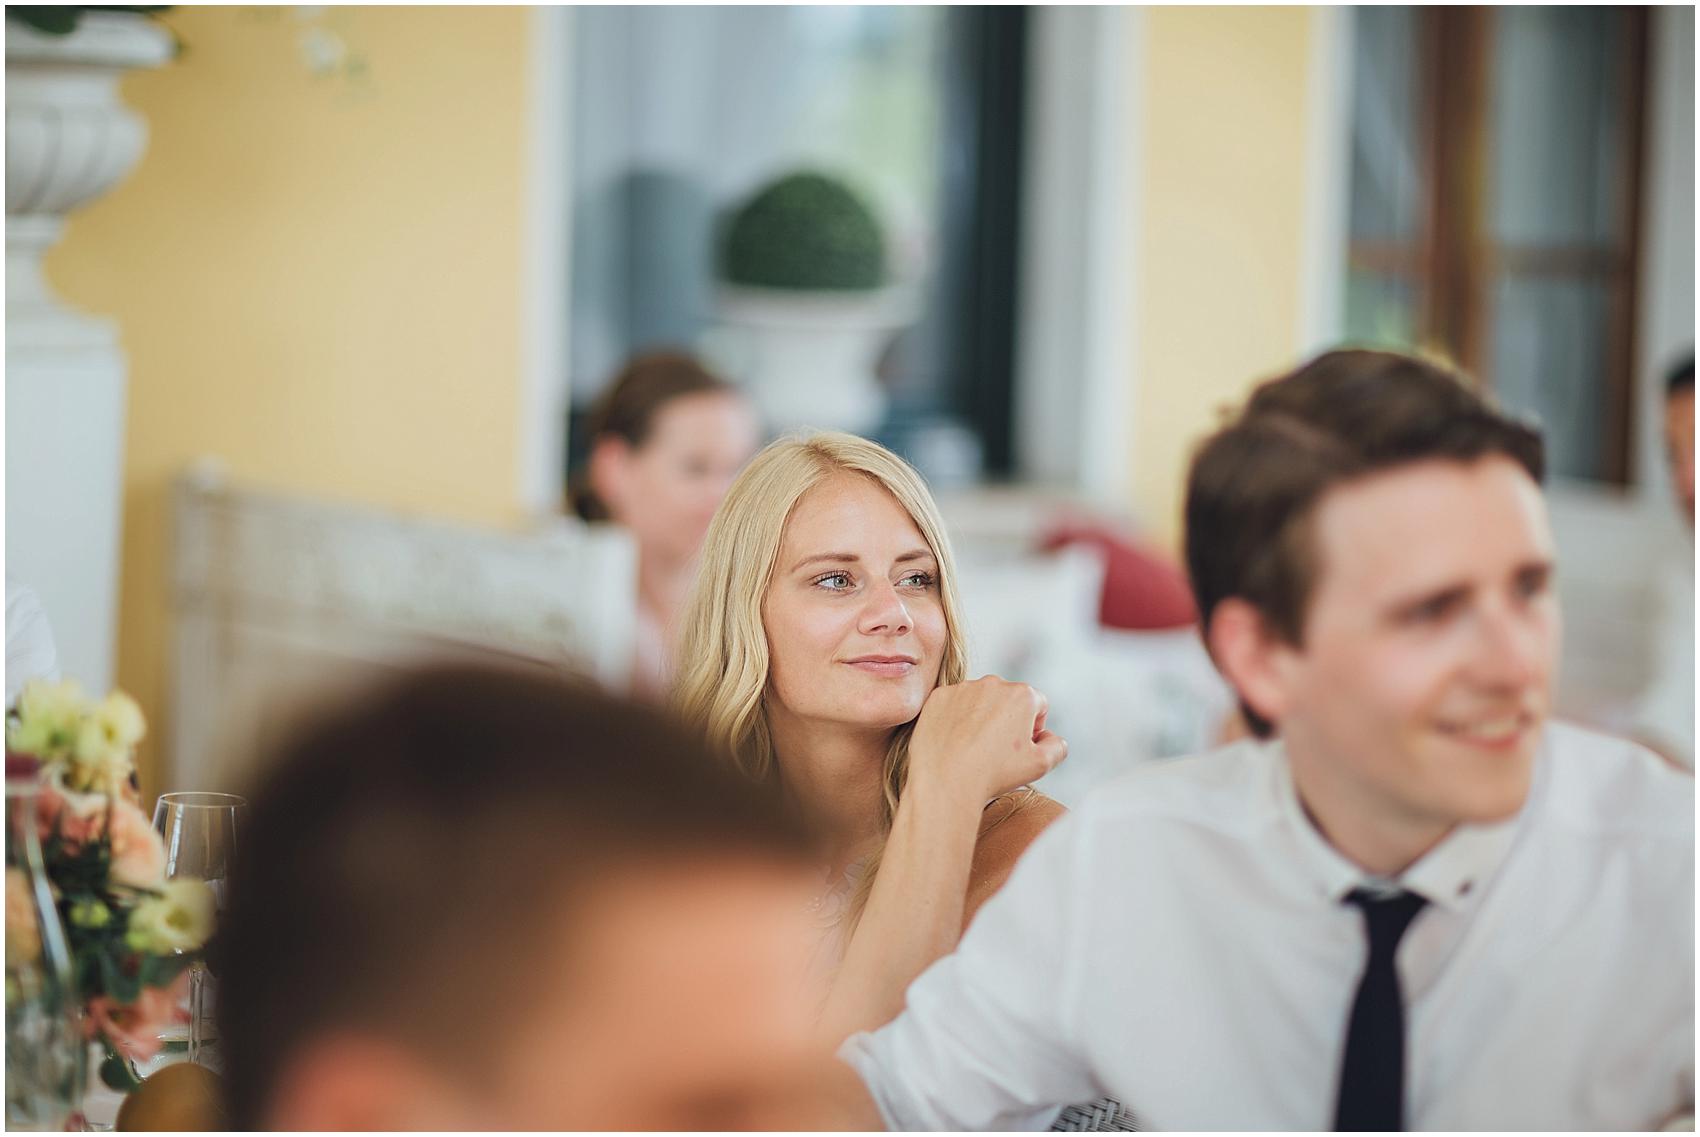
887 665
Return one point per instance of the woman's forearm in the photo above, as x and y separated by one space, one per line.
914 912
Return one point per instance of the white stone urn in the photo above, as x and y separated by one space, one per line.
808 359
68 140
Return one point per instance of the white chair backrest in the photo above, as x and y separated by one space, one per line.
278 600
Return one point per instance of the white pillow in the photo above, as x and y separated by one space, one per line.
1127 698
1021 609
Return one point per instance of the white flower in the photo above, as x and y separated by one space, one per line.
101 764
49 718
179 920
46 699
30 736
121 717
104 756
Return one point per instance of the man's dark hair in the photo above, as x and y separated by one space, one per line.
1680 378
1254 484
406 862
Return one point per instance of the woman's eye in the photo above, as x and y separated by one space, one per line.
834 581
918 580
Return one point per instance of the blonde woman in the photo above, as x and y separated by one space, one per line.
823 651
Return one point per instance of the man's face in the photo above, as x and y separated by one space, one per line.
1417 699
681 1003
670 994
1679 447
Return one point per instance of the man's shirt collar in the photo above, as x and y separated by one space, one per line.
1450 875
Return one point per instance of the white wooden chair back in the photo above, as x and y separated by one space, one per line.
278 600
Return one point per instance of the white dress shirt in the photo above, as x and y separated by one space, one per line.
1180 944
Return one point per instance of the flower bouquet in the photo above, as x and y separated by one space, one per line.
131 933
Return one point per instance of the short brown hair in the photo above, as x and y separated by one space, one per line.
1254 483
627 409
401 853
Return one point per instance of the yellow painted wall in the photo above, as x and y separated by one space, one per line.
317 278
1221 160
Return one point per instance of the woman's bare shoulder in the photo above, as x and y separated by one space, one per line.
1011 825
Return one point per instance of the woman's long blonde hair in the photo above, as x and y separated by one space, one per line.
723 660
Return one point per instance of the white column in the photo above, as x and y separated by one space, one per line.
68 140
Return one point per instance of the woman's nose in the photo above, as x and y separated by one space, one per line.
885 613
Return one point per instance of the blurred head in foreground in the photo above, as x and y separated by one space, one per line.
1679 433
480 900
1371 554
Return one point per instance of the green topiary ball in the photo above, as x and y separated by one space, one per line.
805 231
63 20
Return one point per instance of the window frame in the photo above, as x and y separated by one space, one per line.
1450 263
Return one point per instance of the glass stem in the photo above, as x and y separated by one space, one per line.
197 1008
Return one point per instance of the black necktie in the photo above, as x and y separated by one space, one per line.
1372 1074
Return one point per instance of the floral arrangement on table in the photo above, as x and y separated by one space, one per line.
132 934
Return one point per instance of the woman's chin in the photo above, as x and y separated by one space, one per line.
889 714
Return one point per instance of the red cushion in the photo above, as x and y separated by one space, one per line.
1143 590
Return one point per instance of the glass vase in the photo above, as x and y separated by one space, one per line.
46 1063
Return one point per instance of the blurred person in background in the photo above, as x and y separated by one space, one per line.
664 442
1663 718
481 900
1679 433
1412 901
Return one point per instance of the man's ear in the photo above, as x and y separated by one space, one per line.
1256 661
610 461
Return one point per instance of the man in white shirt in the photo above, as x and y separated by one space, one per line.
1421 906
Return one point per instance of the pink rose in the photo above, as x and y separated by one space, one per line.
55 816
134 1030
138 855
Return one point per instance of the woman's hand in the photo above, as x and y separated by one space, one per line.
986 737
972 742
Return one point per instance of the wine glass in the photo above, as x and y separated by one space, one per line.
199 831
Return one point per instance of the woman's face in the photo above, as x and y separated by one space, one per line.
855 623
666 490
